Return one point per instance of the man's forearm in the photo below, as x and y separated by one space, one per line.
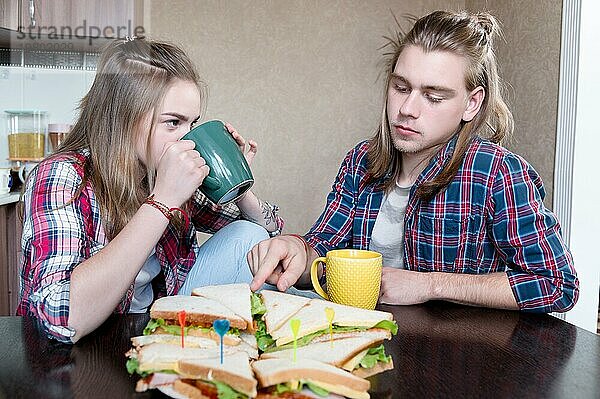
488 290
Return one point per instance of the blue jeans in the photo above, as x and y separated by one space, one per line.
222 259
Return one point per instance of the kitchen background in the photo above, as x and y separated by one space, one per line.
301 78
56 91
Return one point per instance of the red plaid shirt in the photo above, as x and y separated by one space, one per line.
57 238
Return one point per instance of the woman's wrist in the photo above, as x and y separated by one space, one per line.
261 212
168 212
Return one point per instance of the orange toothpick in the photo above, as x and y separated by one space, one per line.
181 317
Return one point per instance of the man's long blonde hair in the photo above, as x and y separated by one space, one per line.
132 79
470 36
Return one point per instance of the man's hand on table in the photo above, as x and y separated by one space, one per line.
280 261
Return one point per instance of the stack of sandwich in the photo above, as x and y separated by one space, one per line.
258 354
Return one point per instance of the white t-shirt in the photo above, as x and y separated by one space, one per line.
143 293
388 233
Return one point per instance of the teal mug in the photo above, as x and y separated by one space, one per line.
230 176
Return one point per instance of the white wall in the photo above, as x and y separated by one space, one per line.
585 221
56 91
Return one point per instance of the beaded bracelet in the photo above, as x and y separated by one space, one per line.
165 210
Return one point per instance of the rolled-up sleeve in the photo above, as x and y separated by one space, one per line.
54 242
540 271
210 218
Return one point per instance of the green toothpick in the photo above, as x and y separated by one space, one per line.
330 313
295 326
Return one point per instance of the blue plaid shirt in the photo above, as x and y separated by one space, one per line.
490 218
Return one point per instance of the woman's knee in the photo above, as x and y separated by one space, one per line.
245 231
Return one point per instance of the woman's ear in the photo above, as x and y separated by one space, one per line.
474 103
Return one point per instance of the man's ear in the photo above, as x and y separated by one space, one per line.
474 104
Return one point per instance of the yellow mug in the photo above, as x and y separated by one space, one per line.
353 277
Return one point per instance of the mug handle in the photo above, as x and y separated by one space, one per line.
315 279
211 183
22 173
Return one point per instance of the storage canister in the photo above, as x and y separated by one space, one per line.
26 135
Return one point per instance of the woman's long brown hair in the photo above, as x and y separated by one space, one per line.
130 84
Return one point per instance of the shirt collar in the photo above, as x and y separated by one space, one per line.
439 160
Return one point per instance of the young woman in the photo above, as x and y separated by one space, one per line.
101 232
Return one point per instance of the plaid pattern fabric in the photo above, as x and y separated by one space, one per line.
491 218
56 238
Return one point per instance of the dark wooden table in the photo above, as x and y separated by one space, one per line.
441 350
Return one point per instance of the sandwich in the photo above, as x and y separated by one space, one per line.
236 297
286 378
200 313
208 378
193 372
330 358
362 354
280 307
275 333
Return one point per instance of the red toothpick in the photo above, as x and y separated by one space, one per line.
181 316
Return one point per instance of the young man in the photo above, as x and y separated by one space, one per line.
456 216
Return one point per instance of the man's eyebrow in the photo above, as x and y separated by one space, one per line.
437 89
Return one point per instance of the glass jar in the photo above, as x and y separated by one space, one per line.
26 135
57 133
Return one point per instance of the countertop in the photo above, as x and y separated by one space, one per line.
9 198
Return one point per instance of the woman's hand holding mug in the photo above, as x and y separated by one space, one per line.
181 170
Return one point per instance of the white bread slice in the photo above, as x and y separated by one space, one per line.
356 317
228 339
235 296
275 371
243 345
249 345
249 339
280 307
375 333
337 352
235 371
378 368
313 318
189 341
344 390
198 310
156 380
354 361
157 357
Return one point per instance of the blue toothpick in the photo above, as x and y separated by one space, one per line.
221 327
